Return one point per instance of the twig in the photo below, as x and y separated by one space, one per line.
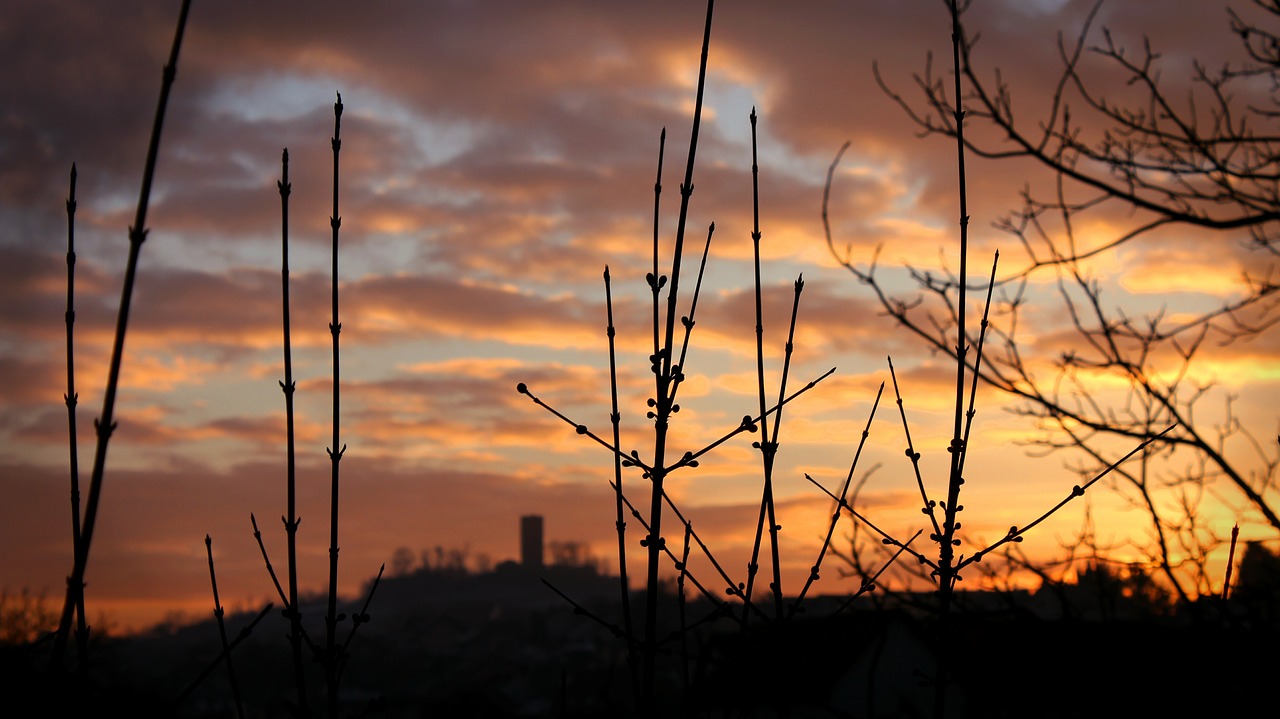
688 320
105 424
654 542
1016 533
291 520
1231 558
885 537
947 572
683 567
706 593
913 455
748 424
688 459
286 601
331 658
768 445
275 581
869 584
222 631
580 610
243 635
615 418
977 365
361 617
841 502
70 399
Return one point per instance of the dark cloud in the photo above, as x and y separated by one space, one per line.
496 156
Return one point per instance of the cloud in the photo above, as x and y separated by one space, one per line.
495 158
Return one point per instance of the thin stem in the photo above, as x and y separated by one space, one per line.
615 418
749 424
335 454
957 442
222 630
1016 533
842 501
688 320
105 424
710 596
767 447
885 537
70 399
654 542
688 459
632 459
977 363
361 617
271 570
656 281
946 540
580 610
289 386
275 582
243 635
683 567
774 527
1231 558
730 588
914 456
869 584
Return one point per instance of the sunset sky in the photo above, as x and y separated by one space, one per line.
496 156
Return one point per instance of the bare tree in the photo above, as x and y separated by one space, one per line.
1208 163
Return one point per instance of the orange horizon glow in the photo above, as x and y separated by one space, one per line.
486 185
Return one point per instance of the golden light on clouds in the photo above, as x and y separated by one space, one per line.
494 164
1180 268
164 373
394 223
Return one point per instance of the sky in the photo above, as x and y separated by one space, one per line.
496 157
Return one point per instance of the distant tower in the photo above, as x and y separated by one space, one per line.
531 541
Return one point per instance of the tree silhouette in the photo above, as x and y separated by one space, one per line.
1257 587
1142 166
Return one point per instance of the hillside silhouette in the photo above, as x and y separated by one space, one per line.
565 637
448 641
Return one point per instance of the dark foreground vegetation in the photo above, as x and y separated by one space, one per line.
694 637
451 643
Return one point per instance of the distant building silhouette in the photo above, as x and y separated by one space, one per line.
531 541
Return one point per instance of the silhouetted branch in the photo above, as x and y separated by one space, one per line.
289 608
332 657
105 424
1015 533
70 399
361 617
580 610
885 537
841 501
615 418
291 520
222 631
869 584
240 637
1231 558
